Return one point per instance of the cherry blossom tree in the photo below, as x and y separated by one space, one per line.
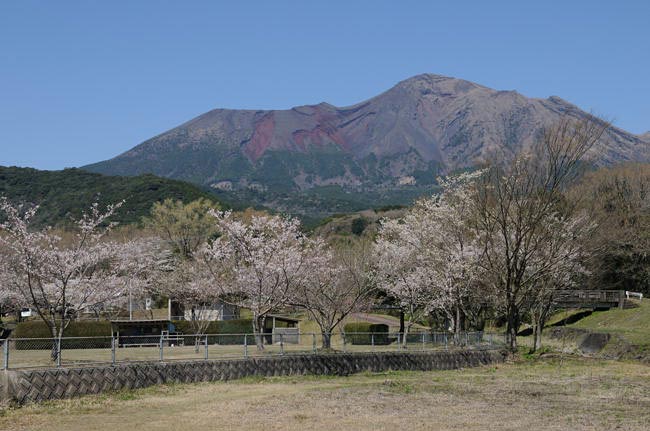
455 254
559 262
403 267
61 275
9 300
262 260
191 282
428 260
335 282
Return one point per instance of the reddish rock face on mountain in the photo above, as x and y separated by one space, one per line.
423 126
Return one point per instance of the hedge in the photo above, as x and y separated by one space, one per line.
237 326
364 333
38 329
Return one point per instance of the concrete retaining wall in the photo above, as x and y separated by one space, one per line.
24 386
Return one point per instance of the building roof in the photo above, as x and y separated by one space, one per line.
141 321
283 318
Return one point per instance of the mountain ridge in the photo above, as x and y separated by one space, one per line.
68 192
401 139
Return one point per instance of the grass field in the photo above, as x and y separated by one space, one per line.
632 324
547 393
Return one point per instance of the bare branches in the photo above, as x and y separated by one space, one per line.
517 205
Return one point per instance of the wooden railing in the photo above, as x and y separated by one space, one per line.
590 298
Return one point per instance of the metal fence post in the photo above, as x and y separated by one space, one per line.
372 340
423 345
313 343
206 348
399 341
245 346
113 342
446 346
160 348
345 350
5 354
281 344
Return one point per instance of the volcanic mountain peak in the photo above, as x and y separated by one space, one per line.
401 139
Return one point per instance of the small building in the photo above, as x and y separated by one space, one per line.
283 328
140 332
217 311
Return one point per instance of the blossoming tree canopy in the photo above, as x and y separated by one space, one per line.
262 258
60 275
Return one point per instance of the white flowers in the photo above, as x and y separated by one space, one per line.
428 259
62 274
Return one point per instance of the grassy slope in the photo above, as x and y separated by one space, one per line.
68 192
541 394
632 324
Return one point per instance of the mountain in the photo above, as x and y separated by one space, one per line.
320 159
646 136
66 193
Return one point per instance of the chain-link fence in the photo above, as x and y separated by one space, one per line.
88 351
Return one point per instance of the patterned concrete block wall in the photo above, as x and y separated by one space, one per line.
26 386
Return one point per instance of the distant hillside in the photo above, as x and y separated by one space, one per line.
363 223
66 193
321 159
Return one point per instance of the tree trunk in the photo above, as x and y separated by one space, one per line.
326 343
405 333
57 335
537 337
258 331
539 320
540 316
457 324
511 331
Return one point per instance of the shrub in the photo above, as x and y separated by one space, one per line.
38 329
217 332
219 327
359 224
362 333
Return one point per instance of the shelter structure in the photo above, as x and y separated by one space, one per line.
281 328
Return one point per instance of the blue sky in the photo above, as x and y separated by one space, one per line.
82 81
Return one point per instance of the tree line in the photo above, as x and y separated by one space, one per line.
495 244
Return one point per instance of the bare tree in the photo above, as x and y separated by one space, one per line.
514 202
618 198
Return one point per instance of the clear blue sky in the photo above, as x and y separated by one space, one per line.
82 81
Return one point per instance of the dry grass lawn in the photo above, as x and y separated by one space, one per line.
548 393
